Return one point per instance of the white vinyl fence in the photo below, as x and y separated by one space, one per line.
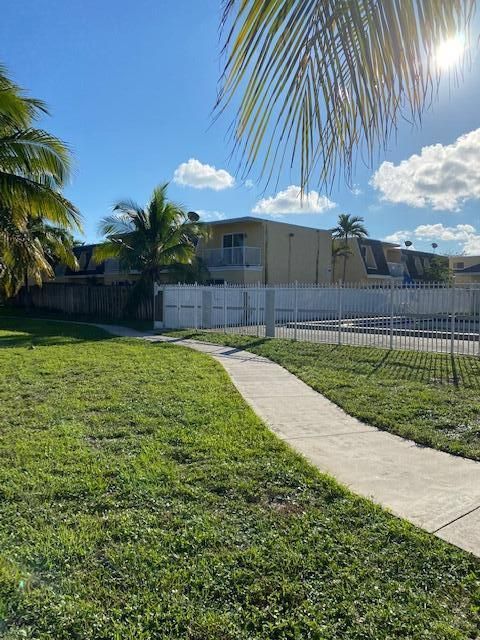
422 317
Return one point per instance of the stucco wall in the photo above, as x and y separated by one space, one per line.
468 278
355 271
292 252
468 261
253 235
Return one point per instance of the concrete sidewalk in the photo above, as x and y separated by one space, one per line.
434 490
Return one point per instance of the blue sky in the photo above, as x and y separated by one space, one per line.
131 85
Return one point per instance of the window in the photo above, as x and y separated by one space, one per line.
459 265
418 265
233 240
368 257
233 249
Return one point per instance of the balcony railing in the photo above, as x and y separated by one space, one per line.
397 269
233 257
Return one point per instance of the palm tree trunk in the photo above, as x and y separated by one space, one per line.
345 259
27 289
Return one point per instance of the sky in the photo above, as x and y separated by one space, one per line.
131 87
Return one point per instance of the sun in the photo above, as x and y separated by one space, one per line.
450 52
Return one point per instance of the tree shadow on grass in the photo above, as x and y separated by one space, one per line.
372 362
428 368
30 333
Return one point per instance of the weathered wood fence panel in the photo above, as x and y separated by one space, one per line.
108 302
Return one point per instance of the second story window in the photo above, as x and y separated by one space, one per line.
459 265
233 240
233 248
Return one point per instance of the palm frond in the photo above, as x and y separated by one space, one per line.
26 197
34 165
116 224
106 251
31 252
319 80
150 240
16 109
35 152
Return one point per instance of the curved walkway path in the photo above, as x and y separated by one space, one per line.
434 490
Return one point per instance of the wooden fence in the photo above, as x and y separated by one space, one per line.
100 302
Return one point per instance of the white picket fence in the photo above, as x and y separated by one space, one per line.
422 317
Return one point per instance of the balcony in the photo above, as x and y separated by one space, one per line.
233 257
396 269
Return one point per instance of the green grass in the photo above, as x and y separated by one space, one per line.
141 498
39 314
431 398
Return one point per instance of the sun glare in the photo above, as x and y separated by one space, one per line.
449 52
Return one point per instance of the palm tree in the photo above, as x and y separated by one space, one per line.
34 165
153 240
338 251
348 227
319 79
30 253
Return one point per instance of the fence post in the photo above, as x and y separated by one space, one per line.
257 309
270 313
476 314
164 305
391 313
295 311
155 289
178 306
206 308
195 296
339 286
225 307
452 322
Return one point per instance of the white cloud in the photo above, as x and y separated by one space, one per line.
209 216
202 176
249 184
356 191
442 176
399 236
472 246
290 201
465 235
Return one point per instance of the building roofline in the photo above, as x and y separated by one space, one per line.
261 220
473 268
382 242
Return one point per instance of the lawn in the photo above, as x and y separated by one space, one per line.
431 398
45 314
141 498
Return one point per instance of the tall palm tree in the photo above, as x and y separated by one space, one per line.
34 165
31 252
319 79
348 226
152 240
339 250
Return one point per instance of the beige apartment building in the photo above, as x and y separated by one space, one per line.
466 269
250 250
244 250
372 261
